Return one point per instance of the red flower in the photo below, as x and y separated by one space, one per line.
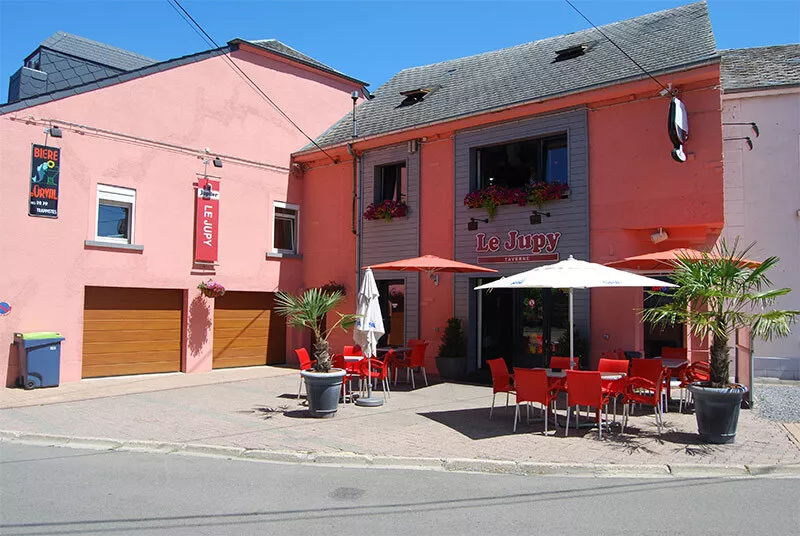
493 196
386 210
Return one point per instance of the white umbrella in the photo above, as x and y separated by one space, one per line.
573 274
369 328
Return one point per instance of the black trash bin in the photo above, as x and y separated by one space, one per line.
39 359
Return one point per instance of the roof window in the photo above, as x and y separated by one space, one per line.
571 52
414 96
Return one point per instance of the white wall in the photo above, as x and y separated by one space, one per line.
762 195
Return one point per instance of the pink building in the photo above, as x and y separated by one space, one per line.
109 226
569 112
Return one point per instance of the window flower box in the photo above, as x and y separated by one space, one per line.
493 196
386 210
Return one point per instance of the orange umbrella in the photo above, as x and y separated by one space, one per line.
662 261
430 264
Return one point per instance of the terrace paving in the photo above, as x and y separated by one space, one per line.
255 410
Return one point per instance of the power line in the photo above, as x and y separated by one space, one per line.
196 26
645 71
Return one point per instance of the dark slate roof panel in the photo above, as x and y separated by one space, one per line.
275 46
659 42
111 80
95 51
760 67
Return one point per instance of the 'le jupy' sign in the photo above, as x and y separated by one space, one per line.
539 247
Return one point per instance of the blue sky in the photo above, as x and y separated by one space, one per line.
369 40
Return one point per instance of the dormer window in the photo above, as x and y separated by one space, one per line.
571 52
35 62
413 96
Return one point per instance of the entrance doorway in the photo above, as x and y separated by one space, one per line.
523 326
393 305
657 336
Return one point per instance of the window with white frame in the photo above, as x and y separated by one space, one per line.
285 236
116 207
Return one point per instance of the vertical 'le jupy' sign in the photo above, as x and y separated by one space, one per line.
206 227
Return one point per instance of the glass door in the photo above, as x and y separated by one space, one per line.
524 326
657 336
392 302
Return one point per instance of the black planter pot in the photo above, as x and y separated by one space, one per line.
452 368
717 411
324 389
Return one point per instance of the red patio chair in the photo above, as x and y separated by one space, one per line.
352 350
562 362
585 388
669 352
649 369
375 369
352 371
614 388
644 391
531 385
696 372
305 364
412 362
501 380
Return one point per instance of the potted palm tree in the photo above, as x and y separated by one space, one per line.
323 383
717 293
452 359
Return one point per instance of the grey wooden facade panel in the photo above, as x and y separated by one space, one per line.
569 216
382 241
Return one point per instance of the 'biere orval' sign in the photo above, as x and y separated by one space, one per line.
541 247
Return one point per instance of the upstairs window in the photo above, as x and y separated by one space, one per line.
391 183
519 163
116 207
285 236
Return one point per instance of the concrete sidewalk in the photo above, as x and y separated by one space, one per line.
254 413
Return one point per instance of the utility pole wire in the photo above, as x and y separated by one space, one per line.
645 71
196 26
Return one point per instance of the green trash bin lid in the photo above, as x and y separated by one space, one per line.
38 335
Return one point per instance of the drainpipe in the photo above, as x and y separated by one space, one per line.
355 185
355 209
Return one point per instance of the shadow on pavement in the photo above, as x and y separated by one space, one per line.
474 423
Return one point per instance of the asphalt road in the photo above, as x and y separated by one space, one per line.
50 490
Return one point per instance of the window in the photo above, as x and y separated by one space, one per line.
390 183
35 62
516 164
285 237
116 207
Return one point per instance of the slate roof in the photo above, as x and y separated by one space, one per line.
660 42
111 80
152 67
96 52
760 68
282 49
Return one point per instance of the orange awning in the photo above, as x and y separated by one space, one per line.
430 264
663 261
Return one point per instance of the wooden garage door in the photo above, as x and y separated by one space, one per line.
131 331
247 331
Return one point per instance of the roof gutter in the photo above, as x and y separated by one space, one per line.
708 61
